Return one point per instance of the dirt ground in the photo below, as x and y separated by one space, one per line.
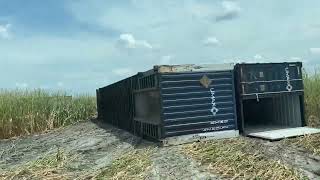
89 147
298 158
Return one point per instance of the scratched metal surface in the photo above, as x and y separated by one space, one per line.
188 107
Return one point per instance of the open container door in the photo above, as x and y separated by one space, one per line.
270 100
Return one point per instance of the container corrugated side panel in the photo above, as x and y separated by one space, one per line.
98 104
117 103
287 110
269 79
270 71
187 104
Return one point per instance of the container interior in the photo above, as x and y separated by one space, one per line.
278 112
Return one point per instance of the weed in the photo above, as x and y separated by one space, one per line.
236 159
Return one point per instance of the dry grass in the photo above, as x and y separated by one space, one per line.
130 166
237 159
28 112
48 167
312 102
311 143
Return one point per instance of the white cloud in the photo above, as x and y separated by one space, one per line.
123 72
4 31
129 41
21 85
258 56
230 11
315 51
211 41
166 60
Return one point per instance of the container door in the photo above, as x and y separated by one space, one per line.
274 135
197 102
271 100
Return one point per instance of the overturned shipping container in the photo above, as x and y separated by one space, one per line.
270 100
115 103
174 104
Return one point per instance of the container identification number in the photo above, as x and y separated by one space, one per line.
215 128
214 110
219 122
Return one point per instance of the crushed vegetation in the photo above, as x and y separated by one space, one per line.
310 143
237 159
50 166
132 165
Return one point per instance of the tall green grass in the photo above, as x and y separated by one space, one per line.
24 112
312 98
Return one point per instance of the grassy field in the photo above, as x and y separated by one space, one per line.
25 112
312 104
312 99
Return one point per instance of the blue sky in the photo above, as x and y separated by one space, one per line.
79 45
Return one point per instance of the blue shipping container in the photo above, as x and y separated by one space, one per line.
270 96
186 103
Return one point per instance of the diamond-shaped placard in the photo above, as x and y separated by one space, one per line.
205 81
